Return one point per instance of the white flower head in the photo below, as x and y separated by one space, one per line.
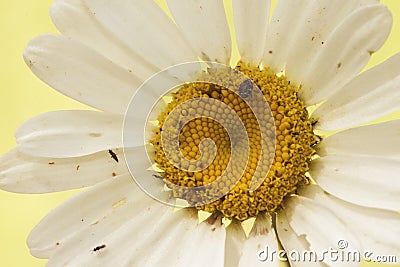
199 158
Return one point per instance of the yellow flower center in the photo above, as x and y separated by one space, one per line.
281 175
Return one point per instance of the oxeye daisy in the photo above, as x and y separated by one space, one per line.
242 158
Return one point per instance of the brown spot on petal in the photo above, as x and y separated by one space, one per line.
119 203
52 163
31 63
214 218
205 56
95 134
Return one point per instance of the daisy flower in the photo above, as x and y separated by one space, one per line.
326 199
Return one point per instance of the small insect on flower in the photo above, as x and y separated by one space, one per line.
113 155
245 88
157 176
99 247
313 123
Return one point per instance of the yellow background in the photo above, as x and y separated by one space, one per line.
23 96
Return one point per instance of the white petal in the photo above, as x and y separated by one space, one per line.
175 239
345 52
281 32
25 174
322 228
261 239
80 73
363 180
204 25
70 15
123 234
292 242
251 24
181 242
70 133
91 209
369 96
145 29
94 211
378 230
234 243
320 19
380 140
